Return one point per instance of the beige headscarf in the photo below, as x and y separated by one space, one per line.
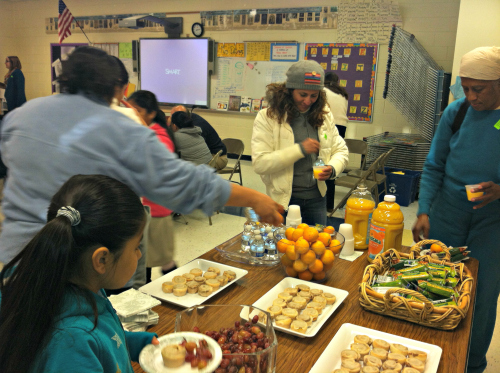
482 63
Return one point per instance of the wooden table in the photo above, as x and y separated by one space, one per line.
300 354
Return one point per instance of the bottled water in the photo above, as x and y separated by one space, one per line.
279 234
268 229
255 233
245 238
257 247
270 247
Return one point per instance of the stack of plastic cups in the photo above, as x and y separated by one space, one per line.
346 231
293 218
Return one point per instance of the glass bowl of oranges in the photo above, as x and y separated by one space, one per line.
308 252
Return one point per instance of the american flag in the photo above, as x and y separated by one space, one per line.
65 19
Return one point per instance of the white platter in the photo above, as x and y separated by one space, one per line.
330 358
289 282
189 300
151 361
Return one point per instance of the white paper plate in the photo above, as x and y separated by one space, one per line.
330 358
189 300
289 282
151 361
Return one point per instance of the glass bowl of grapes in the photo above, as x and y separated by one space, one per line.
244 333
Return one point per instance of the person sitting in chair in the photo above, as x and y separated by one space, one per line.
189 142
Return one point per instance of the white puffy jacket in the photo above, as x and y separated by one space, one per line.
274 153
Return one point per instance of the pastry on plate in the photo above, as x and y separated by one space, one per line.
292 291
420 355
316 292
351 366
215 284
415 363
179 280
210 275
192 287
330 298
167 287
274 311
299 326
306 318
311 312
205 290
370 360
398 349
362 348
222 280
285 296
214 269
290 312
363 339
231 275
196 272
379 343
379 352
302 287
283 321
200 279
180 290
173 355
400 358
349 354
188 276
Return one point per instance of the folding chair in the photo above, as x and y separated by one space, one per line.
236 147
352 182
212 163
357 147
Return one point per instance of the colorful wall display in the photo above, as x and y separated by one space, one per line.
355 65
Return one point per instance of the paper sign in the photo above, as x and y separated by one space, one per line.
230 50
125 50
260 51
284 52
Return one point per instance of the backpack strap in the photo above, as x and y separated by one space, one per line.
459 118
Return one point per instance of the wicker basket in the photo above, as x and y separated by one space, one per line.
424 312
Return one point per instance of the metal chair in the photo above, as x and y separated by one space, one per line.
236 147
213 162
352 182
357 147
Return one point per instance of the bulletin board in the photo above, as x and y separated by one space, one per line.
355 65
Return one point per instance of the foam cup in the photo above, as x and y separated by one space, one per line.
294 212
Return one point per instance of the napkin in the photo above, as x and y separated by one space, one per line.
132 302
352 257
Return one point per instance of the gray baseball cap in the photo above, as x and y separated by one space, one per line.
305 75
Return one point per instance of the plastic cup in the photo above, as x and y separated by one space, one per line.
471 195
294 212
317 170
346 231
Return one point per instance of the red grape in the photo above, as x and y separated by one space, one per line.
255 319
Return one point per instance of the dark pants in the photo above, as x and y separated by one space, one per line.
313 211
481 233
330 184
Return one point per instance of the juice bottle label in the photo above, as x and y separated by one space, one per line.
377 241
368 228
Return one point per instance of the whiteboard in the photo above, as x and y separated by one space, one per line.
237 76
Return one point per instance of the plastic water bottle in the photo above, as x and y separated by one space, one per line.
245 238
279 233
318 167
255 233
270 247
268 229
257 247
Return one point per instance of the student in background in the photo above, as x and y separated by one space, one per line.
336 97
288 137
209 134
190 144
76 132
13 83
52 302
160 232
466 157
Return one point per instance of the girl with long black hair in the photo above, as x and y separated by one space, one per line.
54 315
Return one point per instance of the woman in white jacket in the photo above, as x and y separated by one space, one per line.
289 136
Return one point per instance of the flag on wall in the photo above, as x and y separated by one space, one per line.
65 19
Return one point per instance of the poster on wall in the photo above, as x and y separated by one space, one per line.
285 52
355 64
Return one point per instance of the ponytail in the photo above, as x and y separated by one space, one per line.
40 275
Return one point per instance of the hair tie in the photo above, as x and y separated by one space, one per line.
71 213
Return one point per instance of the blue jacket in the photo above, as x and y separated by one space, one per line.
470 156
14 92
76 346
52 138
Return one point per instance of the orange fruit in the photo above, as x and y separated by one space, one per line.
327 257
297 234
299 265
301 246
306 276
311 234
318 248
302 226
291 272
325 238
283 244
308 257
435 248
316 266
335 246
291 253
327 267
289 233
319 276
286 261
329 229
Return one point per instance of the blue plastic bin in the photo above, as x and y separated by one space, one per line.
404 187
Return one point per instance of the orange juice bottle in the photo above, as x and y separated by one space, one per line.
358 213
386 228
